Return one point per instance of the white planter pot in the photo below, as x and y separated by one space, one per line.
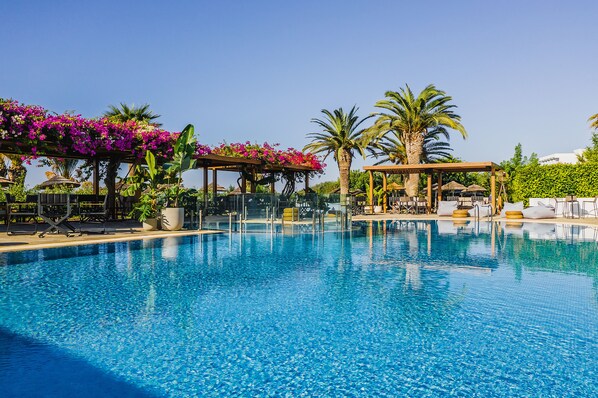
150 224
173 218
377 209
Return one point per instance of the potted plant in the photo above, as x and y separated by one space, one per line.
173 216
146 180
379 194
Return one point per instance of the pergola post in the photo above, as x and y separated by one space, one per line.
243 184
371 192
272 187
493 189
384 190
306 182
252 184
439 189
96 176
429 192
214 183
205 187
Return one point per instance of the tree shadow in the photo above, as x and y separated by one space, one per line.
29 368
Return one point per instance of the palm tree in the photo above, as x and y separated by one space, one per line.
66 168
16 171
390 149
340 136
410 118
593 121
124 113
4 163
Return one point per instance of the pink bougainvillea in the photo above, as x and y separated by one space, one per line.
35 131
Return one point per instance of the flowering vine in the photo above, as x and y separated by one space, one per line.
34 130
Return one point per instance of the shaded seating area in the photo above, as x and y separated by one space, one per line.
21 212
434 170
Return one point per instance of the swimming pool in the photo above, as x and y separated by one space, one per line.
398 308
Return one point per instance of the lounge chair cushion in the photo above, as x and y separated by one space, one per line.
511 207
485 211
536 212
446 207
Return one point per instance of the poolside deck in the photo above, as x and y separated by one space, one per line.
124 231
117 231
559 220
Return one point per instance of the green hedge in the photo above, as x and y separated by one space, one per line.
556 180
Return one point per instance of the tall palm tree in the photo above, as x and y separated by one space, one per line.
124 113
341 137
409 118
17 171
593 121
66 168
390 149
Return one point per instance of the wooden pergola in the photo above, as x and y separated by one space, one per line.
434 168
217 163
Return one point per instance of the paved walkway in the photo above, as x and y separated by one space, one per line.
559 220
118 231
123 231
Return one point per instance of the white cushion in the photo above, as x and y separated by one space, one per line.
511 207
446 207
536 212
485 211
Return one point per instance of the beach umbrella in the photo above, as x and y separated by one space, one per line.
59 181
351 191
5 182
453 186
219 188
393 186
475 188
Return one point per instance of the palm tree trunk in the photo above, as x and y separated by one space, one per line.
344 167
110 181
414 148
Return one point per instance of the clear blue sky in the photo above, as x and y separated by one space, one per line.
519 71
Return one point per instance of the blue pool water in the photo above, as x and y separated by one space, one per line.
395 309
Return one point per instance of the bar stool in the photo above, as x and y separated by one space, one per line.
594 206
571 204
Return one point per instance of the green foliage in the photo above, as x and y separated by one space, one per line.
590 154
361 179
512 167
183 160
124 113
325 187
555 180
146 179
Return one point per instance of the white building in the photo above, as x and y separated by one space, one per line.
565 157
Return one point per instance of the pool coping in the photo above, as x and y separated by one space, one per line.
589 222
139 235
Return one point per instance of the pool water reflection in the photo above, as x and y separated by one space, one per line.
395 308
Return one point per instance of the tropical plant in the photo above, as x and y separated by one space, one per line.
66 168
590 153
4 164
409 119
183 160
146 180
390 149
593 121
340 136
17 170
125 113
